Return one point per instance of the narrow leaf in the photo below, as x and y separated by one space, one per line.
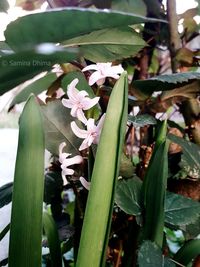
95 231
51 232
154 188
26 217
187 252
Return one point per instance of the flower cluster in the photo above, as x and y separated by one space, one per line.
78 102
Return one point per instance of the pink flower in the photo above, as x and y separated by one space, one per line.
78 101
66 161
103 70
91 135
85 183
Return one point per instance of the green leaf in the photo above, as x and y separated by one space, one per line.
95 231
57 128
165 82
150 255
189 251
4 6
180 211
19 67
130 6
51 232
35 87
6 194
108 44
191 151
27 201
128 195
154 188
141 120
126 167
18 32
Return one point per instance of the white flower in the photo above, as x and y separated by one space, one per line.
85 183
78 101
91 135
103 70
66 162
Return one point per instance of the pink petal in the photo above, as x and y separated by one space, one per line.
101 122
117 69
77 131
85 183
101 81
82 94
65 182
84 145
72 161
71 89
90 140
61 146
90 125
81 116
88 102
67 103
74 111
90 67
95 77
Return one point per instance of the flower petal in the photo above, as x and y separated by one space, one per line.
91 127
81 95
95 77
89 103
117 69
90 67
71 89
81 116
67 103
74 111
61 146
71 161
77 131
84 145
65 182
84 183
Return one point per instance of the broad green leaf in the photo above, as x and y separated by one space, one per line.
150 255
165 82
57 128
26 217
108 44
35 87
95 231
4 6
6 194
154 188
180 211
141 120
81 21
128 195
191 151
189 251
130 6
4 48
104 53
19 67
51 232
